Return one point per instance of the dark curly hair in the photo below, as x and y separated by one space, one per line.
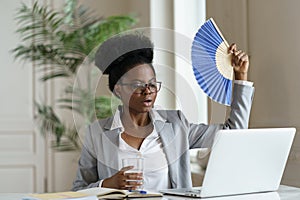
119 54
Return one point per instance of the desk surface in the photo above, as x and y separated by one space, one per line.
289 193
284 193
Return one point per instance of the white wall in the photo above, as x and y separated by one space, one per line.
188 17
173 32
22 158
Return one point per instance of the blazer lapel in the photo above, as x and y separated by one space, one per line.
110 144
169 145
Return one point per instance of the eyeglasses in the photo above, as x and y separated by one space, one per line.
139 88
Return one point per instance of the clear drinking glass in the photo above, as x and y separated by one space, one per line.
138 167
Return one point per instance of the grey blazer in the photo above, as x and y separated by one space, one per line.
99 158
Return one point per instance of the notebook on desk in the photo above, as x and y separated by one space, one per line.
244 161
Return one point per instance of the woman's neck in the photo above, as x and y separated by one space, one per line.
135 119
136 124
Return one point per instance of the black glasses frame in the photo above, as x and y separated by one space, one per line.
142 87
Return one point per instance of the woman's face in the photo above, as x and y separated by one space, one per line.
135 95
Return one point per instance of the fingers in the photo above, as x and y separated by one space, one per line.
239 58
133 176
232 48
239 61
124 169
127 180
243 59
122 180
133 184
133 180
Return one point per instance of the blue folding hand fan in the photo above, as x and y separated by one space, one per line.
212 63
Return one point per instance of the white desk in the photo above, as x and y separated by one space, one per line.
284 193
289 193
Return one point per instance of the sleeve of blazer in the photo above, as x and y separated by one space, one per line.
87 175
201 136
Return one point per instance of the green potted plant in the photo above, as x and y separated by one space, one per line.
58 42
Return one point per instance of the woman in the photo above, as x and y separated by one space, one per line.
162 138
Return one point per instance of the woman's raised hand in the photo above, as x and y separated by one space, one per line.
240 62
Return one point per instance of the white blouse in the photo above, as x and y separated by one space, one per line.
155 175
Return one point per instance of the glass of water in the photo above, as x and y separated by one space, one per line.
138 168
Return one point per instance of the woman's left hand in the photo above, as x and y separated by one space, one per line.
240 62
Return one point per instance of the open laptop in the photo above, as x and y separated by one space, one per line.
244 161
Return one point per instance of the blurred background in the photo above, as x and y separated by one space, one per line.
33 162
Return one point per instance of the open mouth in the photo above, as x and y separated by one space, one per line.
147 102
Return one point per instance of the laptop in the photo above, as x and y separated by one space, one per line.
243 161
